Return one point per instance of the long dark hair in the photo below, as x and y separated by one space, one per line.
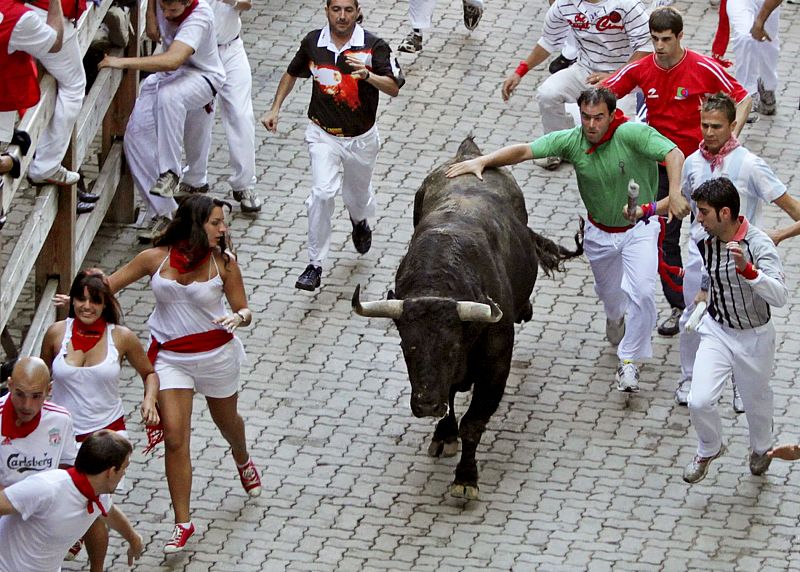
188 223
95 282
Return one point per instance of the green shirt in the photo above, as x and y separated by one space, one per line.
633 152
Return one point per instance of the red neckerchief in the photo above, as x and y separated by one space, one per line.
9 427
618 119
716 159
83 485
722 36
189 9
185 258
86 336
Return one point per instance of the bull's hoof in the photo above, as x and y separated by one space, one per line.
443 449
468 492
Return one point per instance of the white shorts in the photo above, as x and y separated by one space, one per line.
215 376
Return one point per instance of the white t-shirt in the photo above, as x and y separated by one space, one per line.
52 516
52 443
196 31
226 21
32 35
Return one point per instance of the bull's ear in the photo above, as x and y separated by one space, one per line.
390 295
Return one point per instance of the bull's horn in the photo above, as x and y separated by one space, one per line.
380 309
476 312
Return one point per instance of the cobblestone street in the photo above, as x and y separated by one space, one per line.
573 474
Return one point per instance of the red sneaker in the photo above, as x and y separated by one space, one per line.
74 550
251 481
179 537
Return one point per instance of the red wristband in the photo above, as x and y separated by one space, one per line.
749 272
522 69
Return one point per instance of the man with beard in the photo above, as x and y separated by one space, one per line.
350 67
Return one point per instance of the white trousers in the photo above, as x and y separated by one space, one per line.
689 341
344 163
751 354
154 135
625 269
66 66
754 60
236 107
564 87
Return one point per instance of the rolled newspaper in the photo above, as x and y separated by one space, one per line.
633 198
697 315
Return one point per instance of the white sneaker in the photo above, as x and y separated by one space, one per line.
249 201
615 330
156 226
63 177
627 377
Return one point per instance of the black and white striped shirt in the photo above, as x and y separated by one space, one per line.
607 33
734 300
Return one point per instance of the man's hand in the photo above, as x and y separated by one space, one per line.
474 166
135 548
785 452
639 213
738 255
597 77
360 70
678 207
759 33
509 85
701 296
110 62
270 121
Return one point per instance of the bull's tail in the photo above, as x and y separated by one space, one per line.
551 255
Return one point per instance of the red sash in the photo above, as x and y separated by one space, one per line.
116 425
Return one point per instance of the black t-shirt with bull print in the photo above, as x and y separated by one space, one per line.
340 104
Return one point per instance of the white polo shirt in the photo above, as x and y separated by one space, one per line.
52 443
52 515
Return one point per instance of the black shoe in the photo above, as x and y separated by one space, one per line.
22 139
16 168
560 63
669 327
83 208
86 197
310 278
362 236
411 44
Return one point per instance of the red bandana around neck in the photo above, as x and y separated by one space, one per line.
618 119
722 36
86 336
189 9
9 427
185 258
716 159
83 485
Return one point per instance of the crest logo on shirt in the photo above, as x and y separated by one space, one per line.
55 437
580 22
610 22
681 93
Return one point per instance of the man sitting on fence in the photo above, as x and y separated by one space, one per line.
188 75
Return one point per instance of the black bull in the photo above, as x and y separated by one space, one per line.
466 279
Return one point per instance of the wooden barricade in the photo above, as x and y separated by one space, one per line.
54 241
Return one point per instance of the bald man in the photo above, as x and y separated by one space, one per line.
35 435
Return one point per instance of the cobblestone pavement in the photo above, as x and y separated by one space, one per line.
574 475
